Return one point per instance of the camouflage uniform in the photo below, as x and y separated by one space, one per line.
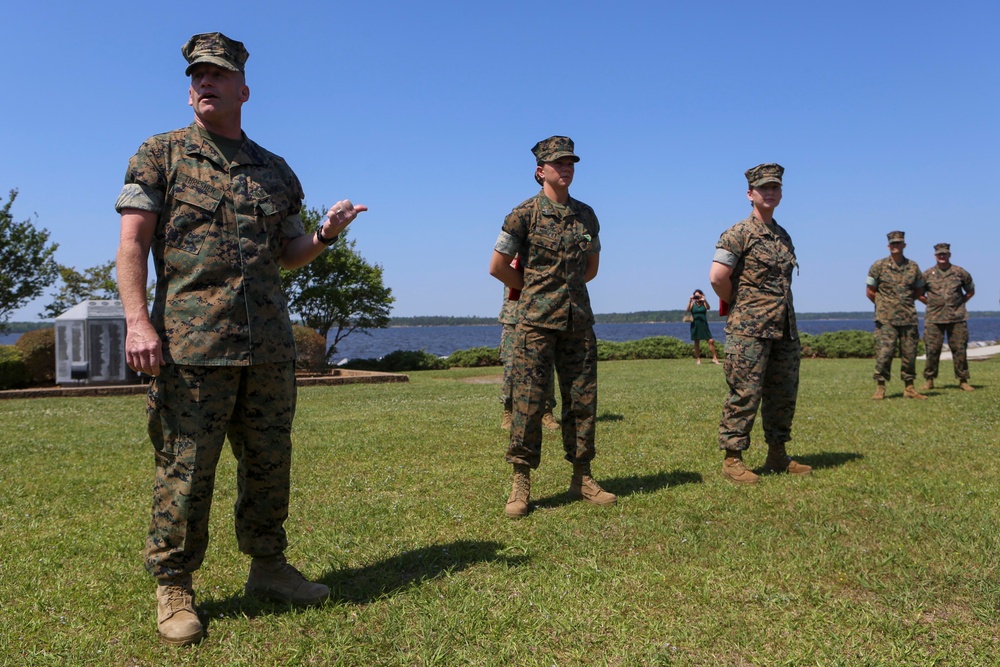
508 320
946 292
555 325
227 339
762 340
895 316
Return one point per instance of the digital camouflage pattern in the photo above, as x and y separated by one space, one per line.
554 242
894 288
762 340
508 318
220 232
887 338
762 258
574 355
761 373
763 174
190 411
958 341
553 148
216 49
946 291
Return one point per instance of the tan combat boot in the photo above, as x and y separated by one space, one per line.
911 392
507 419
549 422
271 577
879 392
779 461
517 503
584 487
735 471
965 386
176 620
928 385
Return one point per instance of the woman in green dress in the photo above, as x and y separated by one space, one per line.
698 307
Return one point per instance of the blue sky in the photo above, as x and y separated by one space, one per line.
885 116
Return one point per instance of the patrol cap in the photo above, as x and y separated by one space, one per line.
896 237
214 48
764 173
553 148
942 247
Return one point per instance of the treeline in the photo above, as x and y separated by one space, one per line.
639 317
21 327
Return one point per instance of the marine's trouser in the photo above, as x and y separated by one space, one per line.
759 370
190 410
958 343
887 336
574 355
507 358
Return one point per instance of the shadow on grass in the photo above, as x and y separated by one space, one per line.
365 584
828 459
628 486
610 417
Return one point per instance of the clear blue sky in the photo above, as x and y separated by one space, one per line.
884 114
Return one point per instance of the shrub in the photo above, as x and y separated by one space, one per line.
475 357
654 347
38 349
13 372
311 349
852 344
398 362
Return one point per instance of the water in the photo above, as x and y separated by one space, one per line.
442 341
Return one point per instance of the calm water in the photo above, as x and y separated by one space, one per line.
442 341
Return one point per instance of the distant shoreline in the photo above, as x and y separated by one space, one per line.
641 317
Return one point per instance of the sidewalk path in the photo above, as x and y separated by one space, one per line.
975 352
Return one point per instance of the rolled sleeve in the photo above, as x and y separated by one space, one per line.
507 244
871 281
293 227
136 195
723 256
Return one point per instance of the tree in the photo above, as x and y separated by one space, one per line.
97 282
338 291
27 262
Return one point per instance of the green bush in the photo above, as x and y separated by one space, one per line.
852 344
654 347
13 372
475 357
398 362
38 349
311 349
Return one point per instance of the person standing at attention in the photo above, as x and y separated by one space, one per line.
557 239
893 284
220 215
946 290
752 273
698 308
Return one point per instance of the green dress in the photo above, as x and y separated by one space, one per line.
699 325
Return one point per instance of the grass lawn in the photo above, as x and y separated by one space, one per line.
887 555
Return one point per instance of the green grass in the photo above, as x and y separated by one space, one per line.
887 555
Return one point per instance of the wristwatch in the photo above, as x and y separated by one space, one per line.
322 239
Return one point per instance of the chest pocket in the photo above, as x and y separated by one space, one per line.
192 214
546 245
270 212
765 265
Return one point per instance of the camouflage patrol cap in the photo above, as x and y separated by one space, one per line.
896 237
553 148
214 48
942 247
764 173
